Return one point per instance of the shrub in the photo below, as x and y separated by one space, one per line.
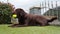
5 13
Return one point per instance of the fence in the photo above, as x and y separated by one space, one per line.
49 9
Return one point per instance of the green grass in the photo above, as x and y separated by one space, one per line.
4 29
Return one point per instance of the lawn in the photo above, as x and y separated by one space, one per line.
4 29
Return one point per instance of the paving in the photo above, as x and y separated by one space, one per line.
55 22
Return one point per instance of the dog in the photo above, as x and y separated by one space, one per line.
25 19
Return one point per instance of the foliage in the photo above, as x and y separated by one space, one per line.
5 13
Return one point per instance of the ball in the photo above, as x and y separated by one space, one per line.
14 16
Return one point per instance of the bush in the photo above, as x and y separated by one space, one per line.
5 13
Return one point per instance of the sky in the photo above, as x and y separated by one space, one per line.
26 4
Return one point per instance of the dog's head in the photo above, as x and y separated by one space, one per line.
20 12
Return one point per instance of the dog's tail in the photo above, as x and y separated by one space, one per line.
52 19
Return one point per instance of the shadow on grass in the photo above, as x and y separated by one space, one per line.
16 25
10 25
